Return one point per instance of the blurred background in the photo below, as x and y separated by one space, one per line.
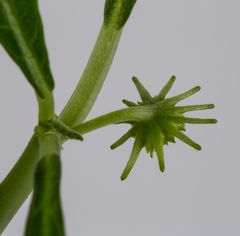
198 41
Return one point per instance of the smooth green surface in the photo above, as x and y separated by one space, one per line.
45 108
21 34
116 14
91 82
137 147
17 185
45 216
136 114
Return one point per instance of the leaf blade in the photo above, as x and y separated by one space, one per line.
21 34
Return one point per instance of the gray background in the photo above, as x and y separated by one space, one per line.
198 41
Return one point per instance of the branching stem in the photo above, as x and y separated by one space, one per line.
88 88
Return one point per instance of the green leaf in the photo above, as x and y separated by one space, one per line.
45 216
21 34
116 12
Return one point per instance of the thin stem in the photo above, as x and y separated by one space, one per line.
46 108
93 77
137 114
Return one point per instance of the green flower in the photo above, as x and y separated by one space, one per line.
166 123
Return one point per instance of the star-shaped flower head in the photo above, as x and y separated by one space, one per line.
168 121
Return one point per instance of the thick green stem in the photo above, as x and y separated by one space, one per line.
17 185
49 144
93 77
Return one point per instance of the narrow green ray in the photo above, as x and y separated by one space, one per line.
123 139
184 138
158 145
137 147
166 89
184 109
160 155
144 94
190 120
129 103
180 97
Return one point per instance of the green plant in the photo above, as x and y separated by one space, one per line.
155 120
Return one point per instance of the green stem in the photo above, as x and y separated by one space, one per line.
137 114
93 77
46 108
49 144
17 185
